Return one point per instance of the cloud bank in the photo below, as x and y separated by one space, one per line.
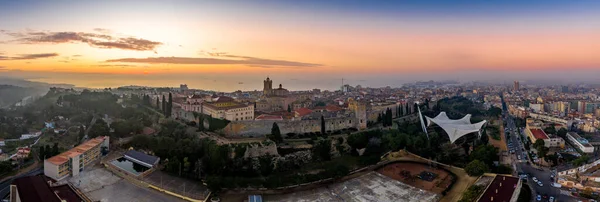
235 60
29 56
103 40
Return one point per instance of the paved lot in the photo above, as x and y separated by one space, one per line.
93 179
189 188
125 191
369 187
101 185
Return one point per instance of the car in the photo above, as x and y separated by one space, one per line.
535 179
545 196
551 199
540 183
538 198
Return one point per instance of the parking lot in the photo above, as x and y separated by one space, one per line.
100 184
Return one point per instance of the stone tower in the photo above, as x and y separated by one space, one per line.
360 111
267 87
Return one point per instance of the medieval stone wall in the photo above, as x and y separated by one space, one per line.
263 127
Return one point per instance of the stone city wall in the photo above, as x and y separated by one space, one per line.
261 128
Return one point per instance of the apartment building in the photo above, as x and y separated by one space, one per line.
76 159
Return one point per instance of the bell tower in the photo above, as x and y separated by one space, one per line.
267 86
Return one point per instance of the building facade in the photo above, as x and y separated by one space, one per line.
580 143
227 108
76 159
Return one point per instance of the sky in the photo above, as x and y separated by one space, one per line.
231 45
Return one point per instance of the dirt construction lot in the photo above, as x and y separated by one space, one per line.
408 173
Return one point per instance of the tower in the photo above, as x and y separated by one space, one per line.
360 111
267 86
516 86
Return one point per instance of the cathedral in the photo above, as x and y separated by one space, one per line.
268 90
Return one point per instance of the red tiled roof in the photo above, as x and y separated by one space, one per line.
303 111
333 108
538 133
505 186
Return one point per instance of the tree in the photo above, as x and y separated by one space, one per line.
323 125
562 132
164 105
415 108
157 104
472 193
550 130
427 103
322 149
484 138
275 133
42 153
169 106
201 123
379 118
81 133
100 128
55 149
407 110
539 143
476 168
289 108
581 160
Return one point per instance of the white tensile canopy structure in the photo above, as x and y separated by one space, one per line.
455 128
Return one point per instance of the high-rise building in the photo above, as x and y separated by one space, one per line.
516 86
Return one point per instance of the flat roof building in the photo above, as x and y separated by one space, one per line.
141 158
502 189
580 143
39 188
76 159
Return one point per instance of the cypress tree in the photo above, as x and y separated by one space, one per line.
170 105
164 105
407 110
157 104
322 125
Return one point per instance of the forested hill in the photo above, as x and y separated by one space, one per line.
10 94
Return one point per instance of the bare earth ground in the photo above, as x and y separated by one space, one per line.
462 183
438 185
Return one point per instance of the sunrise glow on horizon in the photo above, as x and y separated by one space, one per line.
291 38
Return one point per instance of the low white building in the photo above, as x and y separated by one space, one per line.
579 142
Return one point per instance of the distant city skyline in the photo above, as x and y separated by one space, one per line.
217 45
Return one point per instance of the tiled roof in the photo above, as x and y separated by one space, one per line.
64 157
303 111
333 108
538 133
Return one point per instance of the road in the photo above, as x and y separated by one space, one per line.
524 166
5 185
